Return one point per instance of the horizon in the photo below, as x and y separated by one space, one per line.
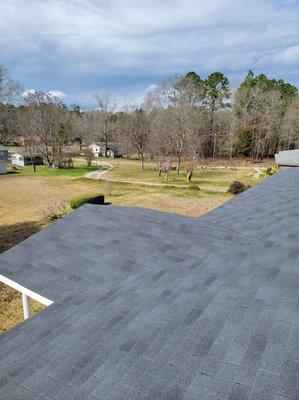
75 48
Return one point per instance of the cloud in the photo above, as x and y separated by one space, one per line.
28 92
288 56
58 94
124 46
53 93
151 88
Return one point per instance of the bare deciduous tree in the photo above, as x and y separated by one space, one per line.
176 117
46 127
138 133
88 157
104 119
8 122
183 118
10 91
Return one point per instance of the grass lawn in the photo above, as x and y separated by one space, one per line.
24 194
207 178
42 170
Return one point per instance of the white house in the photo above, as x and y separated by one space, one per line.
96 149
288 158
114 152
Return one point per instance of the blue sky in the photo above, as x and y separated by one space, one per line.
77 47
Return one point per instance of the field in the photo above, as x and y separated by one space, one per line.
25 194
205 177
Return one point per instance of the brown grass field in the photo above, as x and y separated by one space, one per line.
24 194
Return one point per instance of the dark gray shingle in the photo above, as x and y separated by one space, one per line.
150 305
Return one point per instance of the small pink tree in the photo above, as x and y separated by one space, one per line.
165 168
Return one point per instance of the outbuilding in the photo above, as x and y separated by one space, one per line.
3 169
114 152
3 153
3 160
96 149
288 158
20 160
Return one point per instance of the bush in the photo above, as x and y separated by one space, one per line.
237 187
54 211
77 202
270 171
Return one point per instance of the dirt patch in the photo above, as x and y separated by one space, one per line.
11 234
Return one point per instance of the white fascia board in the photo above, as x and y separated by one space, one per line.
24 290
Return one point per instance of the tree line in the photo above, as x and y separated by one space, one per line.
184 118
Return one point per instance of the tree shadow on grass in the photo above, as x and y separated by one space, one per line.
12 234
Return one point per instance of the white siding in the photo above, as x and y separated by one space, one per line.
17 160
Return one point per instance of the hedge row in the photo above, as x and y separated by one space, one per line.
77 202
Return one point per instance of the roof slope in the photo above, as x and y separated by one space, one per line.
149 305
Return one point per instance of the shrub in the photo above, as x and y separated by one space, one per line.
77 202
270 171
237 187
55 210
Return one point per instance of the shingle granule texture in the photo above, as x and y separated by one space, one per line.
149 305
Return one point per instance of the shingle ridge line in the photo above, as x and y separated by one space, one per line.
208 225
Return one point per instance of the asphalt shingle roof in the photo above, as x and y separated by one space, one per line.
149 305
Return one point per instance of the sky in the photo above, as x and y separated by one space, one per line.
74 48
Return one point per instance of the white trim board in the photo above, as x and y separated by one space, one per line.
27 292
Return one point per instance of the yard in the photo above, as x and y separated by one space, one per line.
205 177
24 194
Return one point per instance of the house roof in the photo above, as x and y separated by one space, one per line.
150 305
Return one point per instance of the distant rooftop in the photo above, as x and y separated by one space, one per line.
288 158
148 305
